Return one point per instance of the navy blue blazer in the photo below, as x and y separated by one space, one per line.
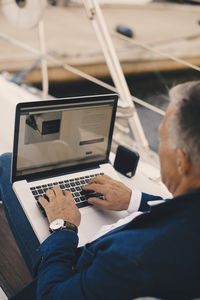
156 254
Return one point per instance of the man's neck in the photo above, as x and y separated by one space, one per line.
187 185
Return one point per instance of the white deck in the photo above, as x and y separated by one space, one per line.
10 95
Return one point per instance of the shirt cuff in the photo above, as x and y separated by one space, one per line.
135 201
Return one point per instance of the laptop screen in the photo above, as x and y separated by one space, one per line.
62 134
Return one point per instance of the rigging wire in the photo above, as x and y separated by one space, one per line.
152 49
77 72
98 81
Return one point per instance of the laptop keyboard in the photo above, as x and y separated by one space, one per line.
73 185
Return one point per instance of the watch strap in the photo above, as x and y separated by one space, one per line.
67 226
70 226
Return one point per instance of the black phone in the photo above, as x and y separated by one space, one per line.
126 161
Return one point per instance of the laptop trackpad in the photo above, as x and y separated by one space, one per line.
92 219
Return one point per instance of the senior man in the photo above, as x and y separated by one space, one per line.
152 253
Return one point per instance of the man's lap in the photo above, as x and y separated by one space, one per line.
20 227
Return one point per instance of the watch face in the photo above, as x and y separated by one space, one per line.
56 224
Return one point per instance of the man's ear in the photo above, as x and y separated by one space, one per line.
183 164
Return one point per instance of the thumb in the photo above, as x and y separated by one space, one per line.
98 202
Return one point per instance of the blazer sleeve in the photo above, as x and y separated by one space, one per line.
102 278
144 201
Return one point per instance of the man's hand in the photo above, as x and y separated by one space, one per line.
61 205
117 196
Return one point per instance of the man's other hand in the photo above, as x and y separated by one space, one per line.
116 195
61 205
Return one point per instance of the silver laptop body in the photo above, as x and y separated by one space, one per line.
63 142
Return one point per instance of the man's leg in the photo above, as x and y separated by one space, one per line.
20 226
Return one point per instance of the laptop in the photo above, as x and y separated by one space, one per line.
64 143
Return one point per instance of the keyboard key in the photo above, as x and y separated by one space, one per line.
60 182
42 209
90 196
78 188
82 181
82 204
44 185
82 177
40 191
83 198
67 185
62 186
55 183
77 194
72 190
77 200
66 181
93 195
72 184
101 173
38 187
71 179
46 197
98 195
50 184
83 192
77 183
32 188
34 193
87 176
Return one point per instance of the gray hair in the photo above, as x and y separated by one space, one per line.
184 127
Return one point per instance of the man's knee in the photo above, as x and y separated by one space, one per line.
6 157
5 165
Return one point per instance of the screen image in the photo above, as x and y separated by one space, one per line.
53 137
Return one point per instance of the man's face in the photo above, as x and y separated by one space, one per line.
167 155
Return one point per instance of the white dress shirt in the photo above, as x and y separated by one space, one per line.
133 213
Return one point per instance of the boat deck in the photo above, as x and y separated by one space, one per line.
14 274
166 27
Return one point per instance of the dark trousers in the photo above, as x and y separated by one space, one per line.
19 224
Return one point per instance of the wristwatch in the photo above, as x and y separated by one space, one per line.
60 224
